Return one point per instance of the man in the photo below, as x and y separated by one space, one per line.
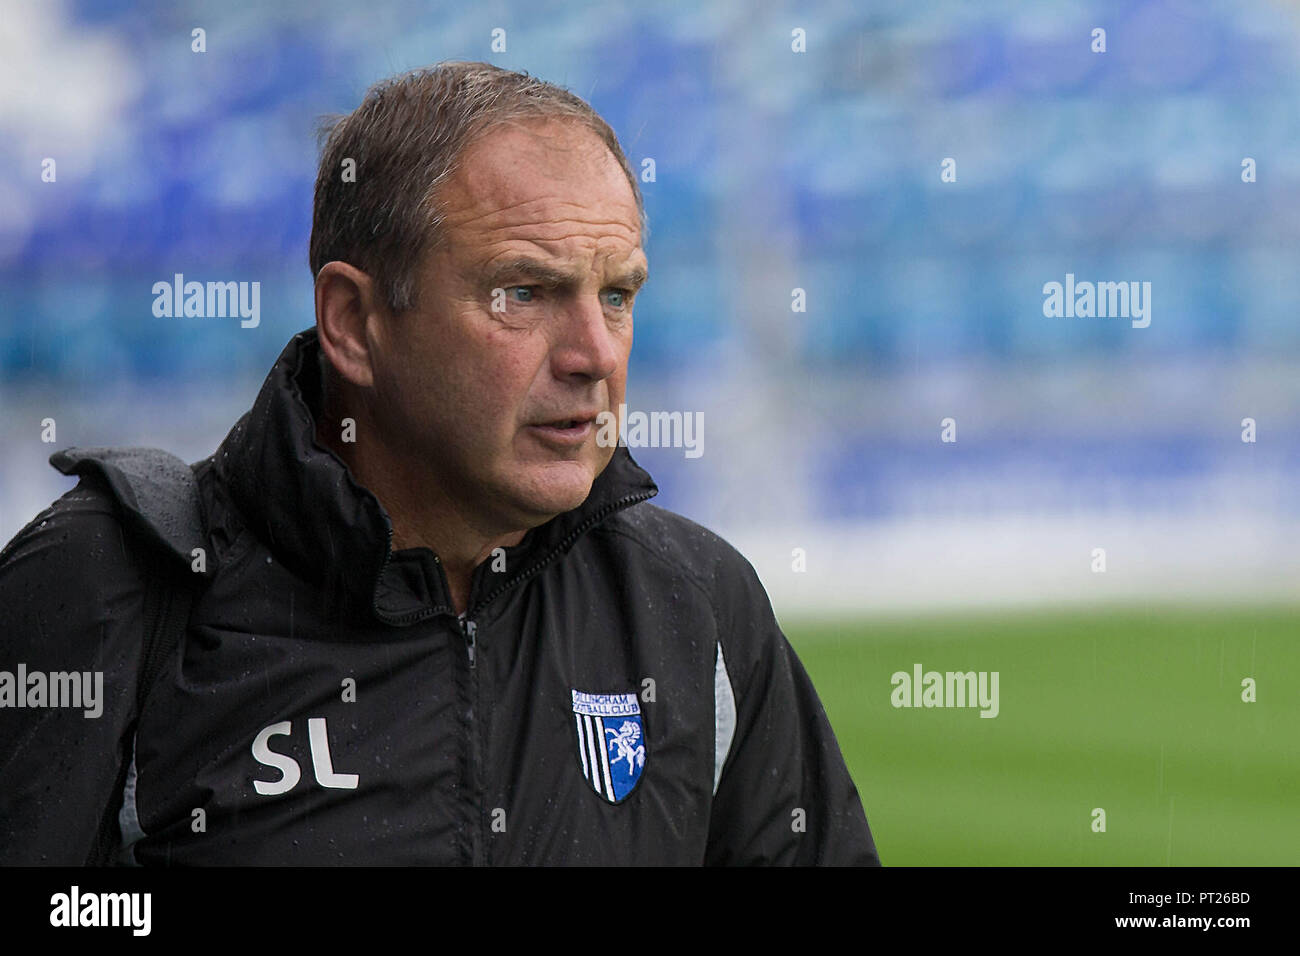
439 622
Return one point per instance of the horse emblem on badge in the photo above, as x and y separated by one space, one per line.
611 742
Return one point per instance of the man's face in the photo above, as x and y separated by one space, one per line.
523 327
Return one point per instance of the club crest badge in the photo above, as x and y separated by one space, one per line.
611 742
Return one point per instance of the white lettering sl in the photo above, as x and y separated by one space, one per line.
290 773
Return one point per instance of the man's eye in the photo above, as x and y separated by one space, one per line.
618 298
520 293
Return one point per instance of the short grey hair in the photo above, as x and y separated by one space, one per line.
406 139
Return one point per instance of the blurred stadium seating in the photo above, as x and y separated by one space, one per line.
774 171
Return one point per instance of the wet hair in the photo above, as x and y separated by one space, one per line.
404 141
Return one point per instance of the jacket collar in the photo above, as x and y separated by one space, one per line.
303 502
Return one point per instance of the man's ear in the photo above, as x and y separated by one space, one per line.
348 310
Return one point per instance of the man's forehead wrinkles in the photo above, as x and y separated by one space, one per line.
507 218
555 232
498 229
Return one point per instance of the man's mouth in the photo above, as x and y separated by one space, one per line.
566 431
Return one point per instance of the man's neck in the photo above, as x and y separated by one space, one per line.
421 514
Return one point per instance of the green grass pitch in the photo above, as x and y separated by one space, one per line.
1137 711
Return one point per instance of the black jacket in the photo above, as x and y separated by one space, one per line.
618 691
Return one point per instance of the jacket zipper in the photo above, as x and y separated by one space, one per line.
474 757
470 630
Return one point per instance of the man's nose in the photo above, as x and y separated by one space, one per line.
586 346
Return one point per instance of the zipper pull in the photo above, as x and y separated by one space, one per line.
470 630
